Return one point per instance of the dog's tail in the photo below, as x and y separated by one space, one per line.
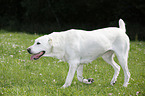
122 25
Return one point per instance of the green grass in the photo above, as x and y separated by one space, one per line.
19 76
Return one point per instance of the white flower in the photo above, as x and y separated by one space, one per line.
11 55
40 74
137 93
110 93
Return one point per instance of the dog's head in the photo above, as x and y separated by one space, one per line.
41 47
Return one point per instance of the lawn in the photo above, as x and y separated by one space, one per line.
19 76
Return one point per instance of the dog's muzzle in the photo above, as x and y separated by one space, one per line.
37 55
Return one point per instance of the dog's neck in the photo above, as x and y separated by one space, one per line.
57 49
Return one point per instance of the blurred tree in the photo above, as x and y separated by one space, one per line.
45 16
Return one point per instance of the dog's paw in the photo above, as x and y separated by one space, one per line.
88 81
125 84
91 80
63 87
113 83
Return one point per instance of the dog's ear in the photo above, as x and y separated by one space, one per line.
50 41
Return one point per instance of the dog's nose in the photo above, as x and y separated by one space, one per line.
29 50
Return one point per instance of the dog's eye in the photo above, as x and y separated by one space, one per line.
38 43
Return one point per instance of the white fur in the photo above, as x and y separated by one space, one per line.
78 47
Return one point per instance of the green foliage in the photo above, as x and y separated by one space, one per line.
19 76
45 16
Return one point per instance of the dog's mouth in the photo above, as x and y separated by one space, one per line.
38 55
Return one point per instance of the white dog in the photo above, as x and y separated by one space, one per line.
78 47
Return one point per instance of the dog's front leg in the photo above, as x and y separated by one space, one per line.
80 76
72 68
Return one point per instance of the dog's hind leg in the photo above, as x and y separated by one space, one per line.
121 51
80 76
80 73
108 57
123 62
